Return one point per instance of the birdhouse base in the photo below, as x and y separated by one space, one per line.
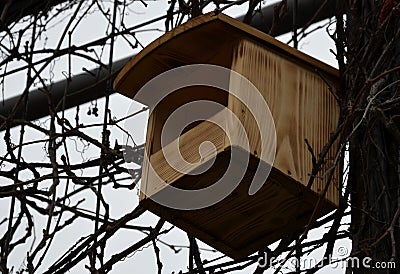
241 224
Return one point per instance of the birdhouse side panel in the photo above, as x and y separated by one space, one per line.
302 108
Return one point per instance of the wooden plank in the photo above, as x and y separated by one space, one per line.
183 150
172 102
205 39
302 108
241 224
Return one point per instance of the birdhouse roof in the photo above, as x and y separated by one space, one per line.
210 39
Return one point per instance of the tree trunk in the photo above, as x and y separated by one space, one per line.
372 102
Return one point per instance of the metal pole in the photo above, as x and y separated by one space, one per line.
82 88
309 8
13 10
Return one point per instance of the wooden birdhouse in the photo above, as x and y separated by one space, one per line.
296 89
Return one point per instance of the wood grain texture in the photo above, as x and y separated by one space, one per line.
302 108
182 151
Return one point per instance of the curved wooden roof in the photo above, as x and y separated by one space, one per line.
209 38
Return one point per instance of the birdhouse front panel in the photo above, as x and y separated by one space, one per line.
231 136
